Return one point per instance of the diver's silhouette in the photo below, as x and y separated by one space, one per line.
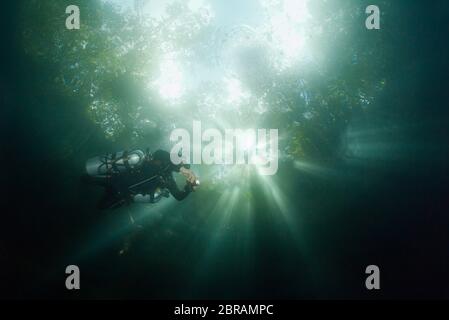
137 176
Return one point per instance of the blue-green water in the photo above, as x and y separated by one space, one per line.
363 149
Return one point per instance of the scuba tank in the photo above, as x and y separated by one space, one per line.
125 172
115 163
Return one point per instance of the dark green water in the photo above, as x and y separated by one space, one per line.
359 183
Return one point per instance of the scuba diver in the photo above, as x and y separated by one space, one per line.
137 176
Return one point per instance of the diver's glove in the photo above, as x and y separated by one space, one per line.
191 185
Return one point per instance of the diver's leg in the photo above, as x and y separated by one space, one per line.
130 238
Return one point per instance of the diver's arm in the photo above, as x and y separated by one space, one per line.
174 190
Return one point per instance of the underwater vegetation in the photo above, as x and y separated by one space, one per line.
302 66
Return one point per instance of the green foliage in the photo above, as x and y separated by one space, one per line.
113 63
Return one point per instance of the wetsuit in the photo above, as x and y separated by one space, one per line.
150 181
